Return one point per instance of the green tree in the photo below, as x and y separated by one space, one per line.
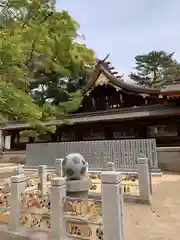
150 68
39 53
57 88
172 73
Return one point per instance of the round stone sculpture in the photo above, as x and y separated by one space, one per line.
74 166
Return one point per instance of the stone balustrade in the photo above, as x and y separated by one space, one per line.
59 220
61 223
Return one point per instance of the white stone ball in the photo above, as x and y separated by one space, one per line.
74 166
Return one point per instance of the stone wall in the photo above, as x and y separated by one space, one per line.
123 153
169 158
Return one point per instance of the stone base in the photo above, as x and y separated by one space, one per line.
78 188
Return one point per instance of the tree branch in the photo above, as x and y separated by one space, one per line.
46 17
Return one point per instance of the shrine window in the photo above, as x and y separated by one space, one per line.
43 138
68 135
94 134
98 135
133 100
87 134
123 133
23 139
163 130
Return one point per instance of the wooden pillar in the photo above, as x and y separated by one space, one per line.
31 139
78 133
178 128
141 129
165 100
54 137
1 141
59 133
108 132
7 142
18 137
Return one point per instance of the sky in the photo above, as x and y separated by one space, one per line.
127 28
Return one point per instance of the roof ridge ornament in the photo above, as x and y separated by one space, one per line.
107 56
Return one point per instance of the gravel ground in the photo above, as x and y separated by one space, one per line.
160 221
6 175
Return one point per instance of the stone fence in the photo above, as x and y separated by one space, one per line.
111 205
123 153
135 186
53 215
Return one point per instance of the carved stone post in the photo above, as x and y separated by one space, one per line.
20 172
144 183
15 203
112 205
111 166
58 167
42 172
58 192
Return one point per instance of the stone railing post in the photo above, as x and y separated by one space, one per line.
87 169
144 183
112 205
19 171
58 192
111 166
42 172
15 203
58 167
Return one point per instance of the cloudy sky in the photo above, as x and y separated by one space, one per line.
127 28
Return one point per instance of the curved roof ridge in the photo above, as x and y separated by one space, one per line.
128 86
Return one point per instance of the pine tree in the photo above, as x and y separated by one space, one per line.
172 73
150 68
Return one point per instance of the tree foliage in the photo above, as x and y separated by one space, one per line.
152 69
40 61
172 73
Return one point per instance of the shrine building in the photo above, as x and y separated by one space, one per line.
112 109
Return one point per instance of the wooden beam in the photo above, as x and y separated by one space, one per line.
107 63
114 73
110 68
